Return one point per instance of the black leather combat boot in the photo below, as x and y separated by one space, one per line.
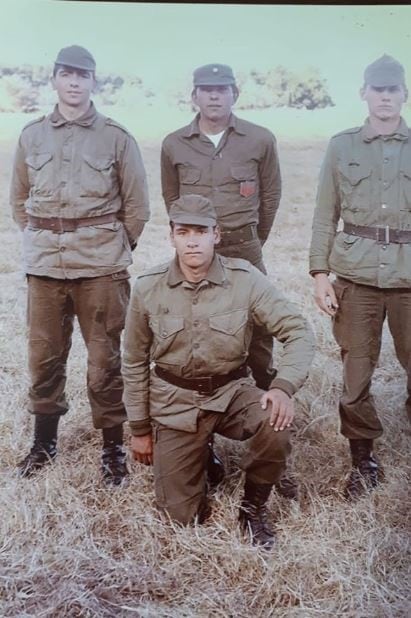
215 467
113 457
44 449
287 488
366 473
253 514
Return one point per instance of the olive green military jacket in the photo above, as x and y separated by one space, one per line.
241 176
74 169
365 180
197 330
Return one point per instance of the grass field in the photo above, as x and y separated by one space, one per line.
70 548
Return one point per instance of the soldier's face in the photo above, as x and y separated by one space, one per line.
384 103
73 86
214 102
194 244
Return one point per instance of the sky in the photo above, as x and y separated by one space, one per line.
161 42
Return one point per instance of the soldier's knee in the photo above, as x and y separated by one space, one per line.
279 440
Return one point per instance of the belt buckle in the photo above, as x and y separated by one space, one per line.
383 239
205 385
57 225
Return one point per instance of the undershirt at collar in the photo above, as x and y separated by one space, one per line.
215 138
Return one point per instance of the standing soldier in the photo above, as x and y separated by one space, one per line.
235 164
193 318
366 182
79 195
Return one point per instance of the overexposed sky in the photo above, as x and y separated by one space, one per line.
163 42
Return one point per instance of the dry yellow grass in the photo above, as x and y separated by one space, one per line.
70 548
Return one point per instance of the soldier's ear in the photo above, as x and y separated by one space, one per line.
194 97
173 244
217 235
236 93
362 92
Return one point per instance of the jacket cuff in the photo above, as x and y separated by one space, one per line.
263 235
140 428
283 385
316 272
319 263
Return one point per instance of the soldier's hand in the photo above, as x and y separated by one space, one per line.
324 294
142 448
281 408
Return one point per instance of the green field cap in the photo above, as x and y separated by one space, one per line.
214 75
193 210
386 71
76 57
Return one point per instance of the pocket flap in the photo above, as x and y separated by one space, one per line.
355 171
99 164
243 172
166 326
36 161
229 323
189 174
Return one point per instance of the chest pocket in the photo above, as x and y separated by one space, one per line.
355 185
97 176
246 176
40 173
230 335
188 174
167 342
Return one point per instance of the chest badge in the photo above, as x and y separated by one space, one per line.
247 188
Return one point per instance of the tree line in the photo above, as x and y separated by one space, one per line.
27 89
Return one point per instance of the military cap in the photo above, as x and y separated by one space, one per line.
214 75
385 71
193 210
76 57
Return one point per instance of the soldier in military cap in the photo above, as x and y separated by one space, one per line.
365 182
235 164
193 319
79 196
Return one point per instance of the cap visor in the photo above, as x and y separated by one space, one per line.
194 220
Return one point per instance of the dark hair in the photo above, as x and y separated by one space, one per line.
172 224
69 68
234 88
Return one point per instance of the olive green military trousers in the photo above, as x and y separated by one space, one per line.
260 358
180 457
357 328
100 304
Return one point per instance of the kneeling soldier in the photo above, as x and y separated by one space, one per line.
194 319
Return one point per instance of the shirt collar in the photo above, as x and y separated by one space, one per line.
194 128
369 133
86 120
215 273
